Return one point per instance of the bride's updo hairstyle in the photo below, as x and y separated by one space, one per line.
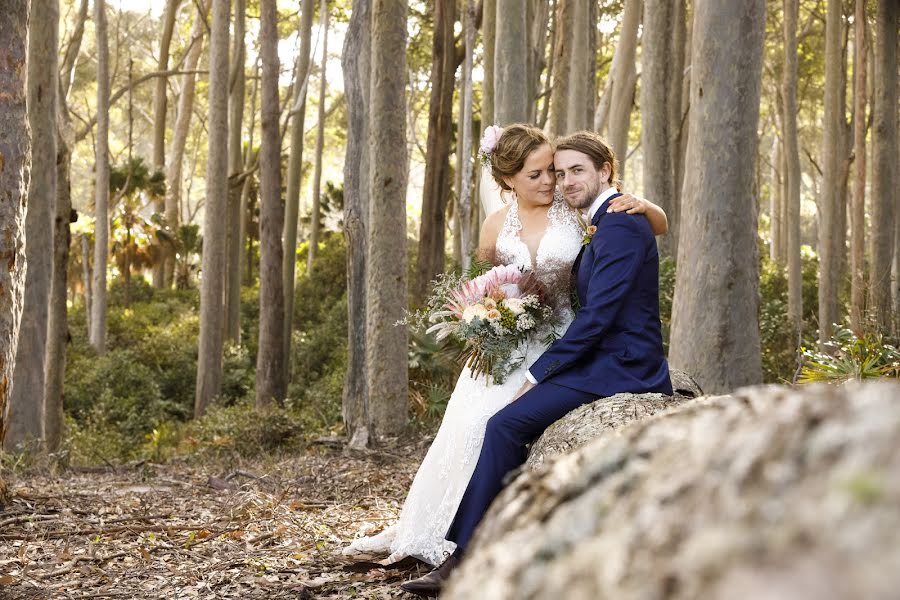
596 149
513 147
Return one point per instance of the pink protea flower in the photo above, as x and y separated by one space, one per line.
501 282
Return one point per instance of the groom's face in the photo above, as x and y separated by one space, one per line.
578 179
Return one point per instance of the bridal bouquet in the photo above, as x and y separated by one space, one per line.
493 314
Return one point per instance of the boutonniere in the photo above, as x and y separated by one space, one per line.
588 231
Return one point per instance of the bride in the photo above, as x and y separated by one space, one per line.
535 230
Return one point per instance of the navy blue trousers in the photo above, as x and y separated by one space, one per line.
519 423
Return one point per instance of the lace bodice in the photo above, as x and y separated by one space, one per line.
556 251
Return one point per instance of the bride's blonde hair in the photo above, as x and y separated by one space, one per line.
512 149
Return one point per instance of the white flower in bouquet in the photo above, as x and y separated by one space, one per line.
474 311
515 305
490 303
493 315
525 322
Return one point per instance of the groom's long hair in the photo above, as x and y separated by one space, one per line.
591 144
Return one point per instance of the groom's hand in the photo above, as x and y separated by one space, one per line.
523 390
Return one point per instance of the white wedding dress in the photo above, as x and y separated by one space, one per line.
442 478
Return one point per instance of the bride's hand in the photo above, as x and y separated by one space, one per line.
626 202
526 387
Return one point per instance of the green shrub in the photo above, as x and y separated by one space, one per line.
850 357
666 294
319 341
117 391
239 431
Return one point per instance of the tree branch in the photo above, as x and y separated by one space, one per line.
83 133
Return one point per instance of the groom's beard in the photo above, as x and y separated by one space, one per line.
581 196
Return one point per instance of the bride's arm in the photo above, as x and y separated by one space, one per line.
659 223
487 240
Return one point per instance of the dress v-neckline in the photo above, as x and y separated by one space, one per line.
517 228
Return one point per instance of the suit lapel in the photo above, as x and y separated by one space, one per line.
576 266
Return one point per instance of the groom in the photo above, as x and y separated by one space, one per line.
614 345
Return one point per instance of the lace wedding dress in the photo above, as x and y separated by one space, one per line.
445 472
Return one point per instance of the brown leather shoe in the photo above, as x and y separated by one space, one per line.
430 584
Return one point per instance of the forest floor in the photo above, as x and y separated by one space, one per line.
271 528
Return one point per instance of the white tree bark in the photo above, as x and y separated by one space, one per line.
26 425
320 147
101 183
581 73
270 367
511 90
885 148
655 89
858 197
715 336
386 352
624 77
830 201
294 172
792 163
464 218
160 110
234 236
356 63
183 116
212 287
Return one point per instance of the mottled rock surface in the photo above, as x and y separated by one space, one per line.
591 421
769 493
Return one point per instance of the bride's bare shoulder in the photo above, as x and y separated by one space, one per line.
494 221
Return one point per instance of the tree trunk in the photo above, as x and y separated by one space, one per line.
679 46
174 169
160 108
15 148
562 64
624 77
552 35
715 336
538 34
511 90
26 398
776 190
212 285
57 323
270 367
316 216
73 49
580 109
88 278
655 89
858 203
830 200
436 188
793 173
234 237
356 64
885 148
386 344
489 39
464 215
101 183
294 173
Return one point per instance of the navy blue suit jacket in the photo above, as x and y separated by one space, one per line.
614 345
